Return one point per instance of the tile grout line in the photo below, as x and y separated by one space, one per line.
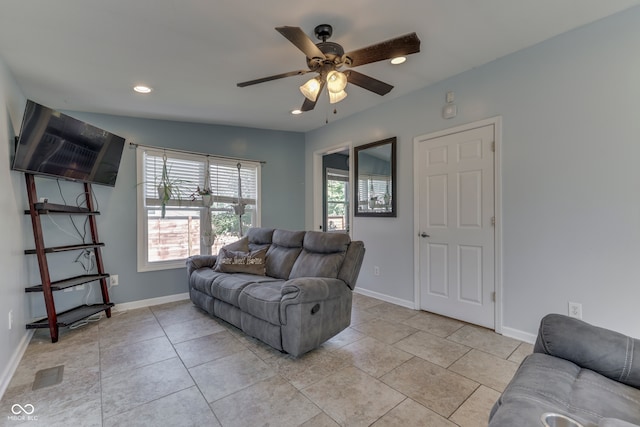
195 383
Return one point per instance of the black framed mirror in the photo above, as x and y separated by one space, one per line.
375 171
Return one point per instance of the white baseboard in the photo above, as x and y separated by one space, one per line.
519 335
150 302
11 367
387 298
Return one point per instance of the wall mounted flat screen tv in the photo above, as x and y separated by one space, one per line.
56 145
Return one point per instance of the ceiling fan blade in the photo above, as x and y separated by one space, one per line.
277 76
298 37
400 46
309 105
369 83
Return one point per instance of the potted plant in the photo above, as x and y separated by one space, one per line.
205 193
168 187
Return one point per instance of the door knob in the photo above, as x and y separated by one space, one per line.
423 234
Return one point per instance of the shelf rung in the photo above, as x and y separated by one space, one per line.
54 208
69 317
68 283
65 248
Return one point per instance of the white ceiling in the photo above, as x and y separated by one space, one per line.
86 55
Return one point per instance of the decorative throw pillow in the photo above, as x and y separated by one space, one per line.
241 245
242 262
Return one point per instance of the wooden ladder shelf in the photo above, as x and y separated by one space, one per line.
55 320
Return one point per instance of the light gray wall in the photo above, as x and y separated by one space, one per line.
282 198
12 229
570 174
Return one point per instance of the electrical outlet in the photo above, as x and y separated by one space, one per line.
114 280
376 270
10 324
575 310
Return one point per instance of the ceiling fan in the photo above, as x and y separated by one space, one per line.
327 58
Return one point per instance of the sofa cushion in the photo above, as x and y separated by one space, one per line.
202 279
242 262
326 243
227 287
284 250
545 383
322 255
259 238
262 301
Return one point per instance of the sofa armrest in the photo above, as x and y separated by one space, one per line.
200 261
309 289
606 352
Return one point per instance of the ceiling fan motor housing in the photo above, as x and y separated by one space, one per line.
323 32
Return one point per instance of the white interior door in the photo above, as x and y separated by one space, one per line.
456 225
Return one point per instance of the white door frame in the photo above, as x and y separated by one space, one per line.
318 179
497 189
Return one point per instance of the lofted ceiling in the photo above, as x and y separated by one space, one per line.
86 55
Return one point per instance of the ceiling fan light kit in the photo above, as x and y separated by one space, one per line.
336 81
311 89
327 58
335 97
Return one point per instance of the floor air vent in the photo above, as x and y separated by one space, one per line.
48 377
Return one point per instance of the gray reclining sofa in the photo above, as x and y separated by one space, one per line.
290 289
586 373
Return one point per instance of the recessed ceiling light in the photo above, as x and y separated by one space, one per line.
296 112
398 60
142 89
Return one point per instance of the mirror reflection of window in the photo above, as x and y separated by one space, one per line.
375 171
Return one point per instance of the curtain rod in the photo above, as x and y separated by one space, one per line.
135 145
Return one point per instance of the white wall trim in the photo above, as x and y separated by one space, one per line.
10 369
150 302
497 189
387 298
519 335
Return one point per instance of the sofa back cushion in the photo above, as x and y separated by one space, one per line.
283 252
259 237
601 350
322 255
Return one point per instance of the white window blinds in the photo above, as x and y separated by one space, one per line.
187 172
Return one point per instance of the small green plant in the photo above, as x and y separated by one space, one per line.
204 191
168 187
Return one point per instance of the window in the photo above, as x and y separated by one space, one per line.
337 200
170 229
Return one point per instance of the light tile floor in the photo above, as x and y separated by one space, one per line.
173 365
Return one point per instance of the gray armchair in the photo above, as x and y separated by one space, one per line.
587 373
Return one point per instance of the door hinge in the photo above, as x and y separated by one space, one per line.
493 146
493 296
493 221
